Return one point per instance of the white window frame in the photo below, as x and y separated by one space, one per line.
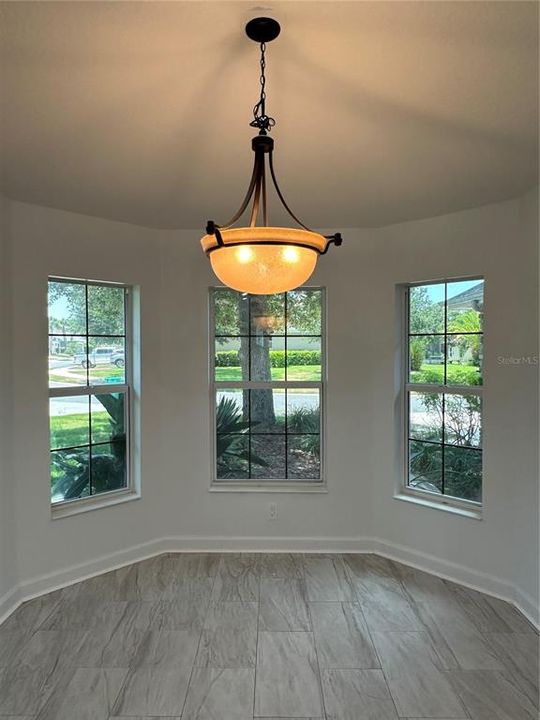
468 508
131 491
274 484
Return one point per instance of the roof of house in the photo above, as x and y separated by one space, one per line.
468 297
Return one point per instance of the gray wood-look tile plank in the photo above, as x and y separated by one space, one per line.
281 565
390 612
372 576
487 695
283 605
31 614
17 717
413 671
194 565
103 587
458 643
92 691
519 654
116 647
420 586
141 717
25 691
229 637
47 649
153 690
167 648
220 694
237 579
357 695
341 636
11 642
490 614
85 614
149 580
187 609
287 678
326 581
157 578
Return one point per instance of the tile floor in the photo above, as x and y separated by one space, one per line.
243 636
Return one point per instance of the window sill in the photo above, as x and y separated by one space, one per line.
445 506
267 488
76 507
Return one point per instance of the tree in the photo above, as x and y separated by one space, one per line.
260 317
105 308
468 321
425 314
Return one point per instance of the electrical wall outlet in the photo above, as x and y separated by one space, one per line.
272 511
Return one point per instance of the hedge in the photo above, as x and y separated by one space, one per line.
229 358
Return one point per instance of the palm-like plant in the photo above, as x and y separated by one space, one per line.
231 429
467 322
305 423
107 470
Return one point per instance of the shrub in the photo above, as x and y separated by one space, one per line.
227 358
455 375
230 358
418 351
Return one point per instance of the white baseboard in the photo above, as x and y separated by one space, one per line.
42 584
461 574
526 604
218 543
9 602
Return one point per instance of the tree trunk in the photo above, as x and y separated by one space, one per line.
243 314
262 401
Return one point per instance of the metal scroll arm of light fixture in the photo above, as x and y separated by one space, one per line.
263 146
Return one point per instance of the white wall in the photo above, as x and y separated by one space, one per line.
8 570
49 242
525 542
497 241
491 241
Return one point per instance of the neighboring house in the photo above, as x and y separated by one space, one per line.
471 299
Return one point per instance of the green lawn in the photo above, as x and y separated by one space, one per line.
72 430
77 376
456 375
295 372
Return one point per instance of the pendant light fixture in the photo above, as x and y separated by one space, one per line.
260 259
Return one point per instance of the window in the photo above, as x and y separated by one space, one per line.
443 390
89 389
268 371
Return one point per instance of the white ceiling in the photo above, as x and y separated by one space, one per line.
386 111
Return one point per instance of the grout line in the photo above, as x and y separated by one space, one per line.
193 666
321 687
257 641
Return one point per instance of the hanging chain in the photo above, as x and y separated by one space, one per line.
260 118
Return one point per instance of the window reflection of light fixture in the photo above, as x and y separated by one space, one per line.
265 324
261 259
